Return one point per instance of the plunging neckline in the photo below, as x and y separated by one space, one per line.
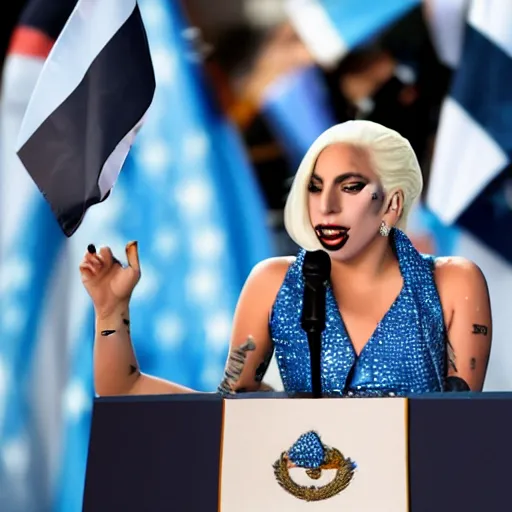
381 322
378 327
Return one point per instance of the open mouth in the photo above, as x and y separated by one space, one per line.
332 237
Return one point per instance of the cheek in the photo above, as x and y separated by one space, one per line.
360 208
313 204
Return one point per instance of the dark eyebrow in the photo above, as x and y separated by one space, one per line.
341 178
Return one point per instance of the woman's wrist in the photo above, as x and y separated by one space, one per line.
116 314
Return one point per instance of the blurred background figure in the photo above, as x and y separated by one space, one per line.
243 88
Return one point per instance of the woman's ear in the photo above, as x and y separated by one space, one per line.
394 208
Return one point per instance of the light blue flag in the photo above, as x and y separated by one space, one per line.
188 195
34 316
332 28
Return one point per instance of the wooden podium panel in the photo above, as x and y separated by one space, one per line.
154 453
460 452
350 454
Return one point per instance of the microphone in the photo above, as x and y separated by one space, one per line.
316 271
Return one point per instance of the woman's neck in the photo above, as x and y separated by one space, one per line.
370 264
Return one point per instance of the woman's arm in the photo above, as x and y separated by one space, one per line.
116 370
251 347
468 319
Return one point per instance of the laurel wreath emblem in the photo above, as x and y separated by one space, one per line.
333 459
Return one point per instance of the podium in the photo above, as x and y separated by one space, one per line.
189 452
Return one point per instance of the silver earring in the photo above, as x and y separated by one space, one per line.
383 229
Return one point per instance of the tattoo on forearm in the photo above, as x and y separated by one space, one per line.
480 329
262 368
472 363
235 366
108 332
126 322
451 356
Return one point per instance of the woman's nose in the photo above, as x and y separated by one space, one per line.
330 202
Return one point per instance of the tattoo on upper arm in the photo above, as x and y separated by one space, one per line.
480 329
235 366
450 356
262 368
108 332
472 363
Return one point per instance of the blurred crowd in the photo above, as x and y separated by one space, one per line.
395 79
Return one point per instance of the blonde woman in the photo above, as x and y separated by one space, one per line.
397 322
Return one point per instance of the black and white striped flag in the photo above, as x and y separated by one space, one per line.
89 102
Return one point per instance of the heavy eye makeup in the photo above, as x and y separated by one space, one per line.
350 183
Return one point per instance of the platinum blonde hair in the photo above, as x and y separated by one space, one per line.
393 160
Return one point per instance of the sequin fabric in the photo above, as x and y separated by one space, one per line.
307 451
405 354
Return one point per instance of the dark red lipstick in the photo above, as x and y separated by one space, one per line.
332 236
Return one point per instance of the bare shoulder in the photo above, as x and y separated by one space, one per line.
455 276
268 275
456 268
272 267
257 298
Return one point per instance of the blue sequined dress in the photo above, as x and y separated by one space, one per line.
405 354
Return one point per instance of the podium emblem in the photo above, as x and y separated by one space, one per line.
311 454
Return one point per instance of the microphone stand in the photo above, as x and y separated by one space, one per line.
316 271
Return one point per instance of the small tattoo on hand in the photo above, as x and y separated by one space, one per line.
479 329
375 196
108 332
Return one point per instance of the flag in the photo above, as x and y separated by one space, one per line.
89 103
189 197
298 110
33 288
469 190
447 23
470 178
332 28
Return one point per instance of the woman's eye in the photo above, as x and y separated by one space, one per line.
354 187
313 188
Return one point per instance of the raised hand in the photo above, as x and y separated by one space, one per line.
108 283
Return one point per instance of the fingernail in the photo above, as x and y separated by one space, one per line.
91 248
132 243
